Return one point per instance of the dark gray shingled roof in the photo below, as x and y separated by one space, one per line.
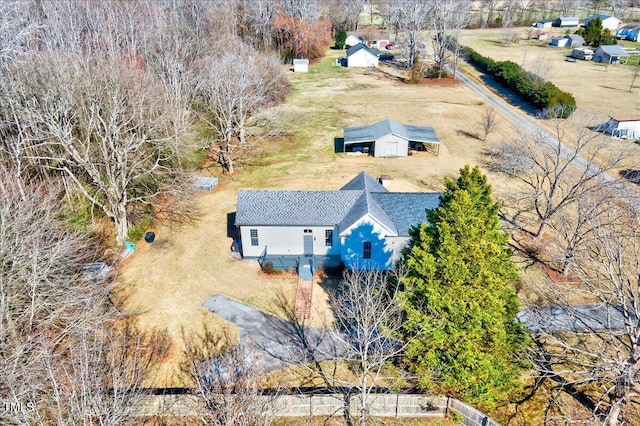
407 209
364 182
363 206
398 211
371 132
313 208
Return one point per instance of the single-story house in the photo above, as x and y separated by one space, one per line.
374 39
622 126
361 56
361 226
566 21
388 138
629 32
568 40
300 65
380 40
354 38
610 54
610 23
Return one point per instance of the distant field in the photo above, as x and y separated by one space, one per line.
596 87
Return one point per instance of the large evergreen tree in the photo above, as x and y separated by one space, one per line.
461 324
594 35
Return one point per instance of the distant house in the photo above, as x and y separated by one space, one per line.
300 65
568 40
622 126
566 21
361 56
361 226
354 39
542 24
374 39
388 138
542 35
608 22
610 54
380 41
629 32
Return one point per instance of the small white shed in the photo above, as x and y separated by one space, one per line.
300 65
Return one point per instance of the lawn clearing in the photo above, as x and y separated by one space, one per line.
166 282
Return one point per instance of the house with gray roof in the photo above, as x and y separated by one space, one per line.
361 225
388 138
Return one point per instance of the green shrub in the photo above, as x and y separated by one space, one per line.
543 95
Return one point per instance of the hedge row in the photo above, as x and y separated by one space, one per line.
543 95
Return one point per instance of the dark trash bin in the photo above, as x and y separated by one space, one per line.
150 237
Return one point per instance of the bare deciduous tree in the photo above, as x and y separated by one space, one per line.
363 336
412 17
489 122
103 124
597 358
447 19
231 94
64 354
554 175
368 315
228 380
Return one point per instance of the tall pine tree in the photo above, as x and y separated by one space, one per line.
461 324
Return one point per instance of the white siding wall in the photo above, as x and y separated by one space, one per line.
285 240
391 146
362 58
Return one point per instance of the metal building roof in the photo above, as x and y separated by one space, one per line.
372 132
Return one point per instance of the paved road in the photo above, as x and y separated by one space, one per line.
528 124
578 319
278 341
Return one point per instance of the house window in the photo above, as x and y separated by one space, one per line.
366 250
253 233
328 238
308 231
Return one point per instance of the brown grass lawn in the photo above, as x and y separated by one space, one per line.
165 283
596 87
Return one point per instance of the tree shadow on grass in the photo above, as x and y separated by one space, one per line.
469 135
